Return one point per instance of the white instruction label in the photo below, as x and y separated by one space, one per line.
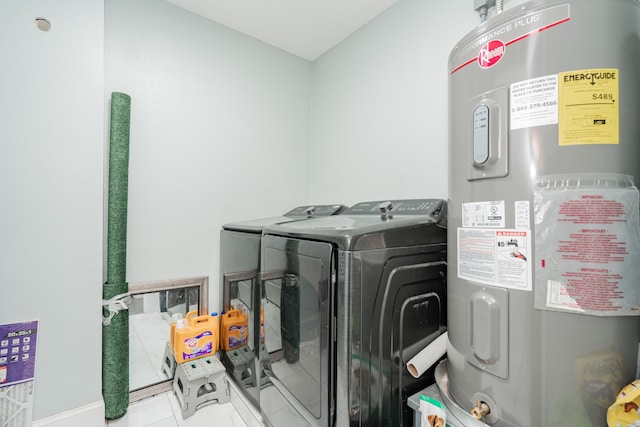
534 102
495 257
522 213
483 214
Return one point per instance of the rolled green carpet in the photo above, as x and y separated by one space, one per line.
290 318
118 188
115 335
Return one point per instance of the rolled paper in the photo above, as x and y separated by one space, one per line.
428 356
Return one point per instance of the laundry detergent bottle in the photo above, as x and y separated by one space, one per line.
234 329
196 337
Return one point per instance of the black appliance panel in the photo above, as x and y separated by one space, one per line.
300 272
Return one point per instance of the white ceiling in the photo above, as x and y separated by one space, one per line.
306 28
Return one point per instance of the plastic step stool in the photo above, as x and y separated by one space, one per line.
168 362
200 381
239 363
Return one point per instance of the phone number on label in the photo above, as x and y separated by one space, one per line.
534 106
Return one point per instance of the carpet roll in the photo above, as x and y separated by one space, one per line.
115 335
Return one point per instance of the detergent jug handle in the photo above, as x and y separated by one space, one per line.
191 315
204 318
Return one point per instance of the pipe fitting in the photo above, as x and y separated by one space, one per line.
480 410
482 12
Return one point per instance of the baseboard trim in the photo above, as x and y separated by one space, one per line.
250 415
91 415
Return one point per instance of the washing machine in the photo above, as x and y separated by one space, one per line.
239 268
360 294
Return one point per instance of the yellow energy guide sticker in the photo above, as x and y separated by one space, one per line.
588 107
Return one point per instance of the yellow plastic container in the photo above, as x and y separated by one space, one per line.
234 329
198 338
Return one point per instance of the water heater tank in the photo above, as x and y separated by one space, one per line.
544 246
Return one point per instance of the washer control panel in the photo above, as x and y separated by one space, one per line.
398 207
313 211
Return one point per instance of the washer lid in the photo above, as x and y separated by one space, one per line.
374 225
296 214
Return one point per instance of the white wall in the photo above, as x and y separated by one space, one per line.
379 106
219 133
51 147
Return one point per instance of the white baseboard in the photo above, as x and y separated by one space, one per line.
91 415
250 415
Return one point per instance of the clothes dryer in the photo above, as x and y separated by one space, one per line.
239 267
360 294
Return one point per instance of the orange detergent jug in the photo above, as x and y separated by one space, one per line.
234 329
199 337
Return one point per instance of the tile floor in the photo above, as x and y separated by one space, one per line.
163 411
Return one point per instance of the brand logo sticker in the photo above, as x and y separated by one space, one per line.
491 53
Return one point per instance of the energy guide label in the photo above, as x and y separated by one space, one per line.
588 107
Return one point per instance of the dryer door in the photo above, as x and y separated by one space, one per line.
297 389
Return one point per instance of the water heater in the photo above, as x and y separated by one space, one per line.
544 246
